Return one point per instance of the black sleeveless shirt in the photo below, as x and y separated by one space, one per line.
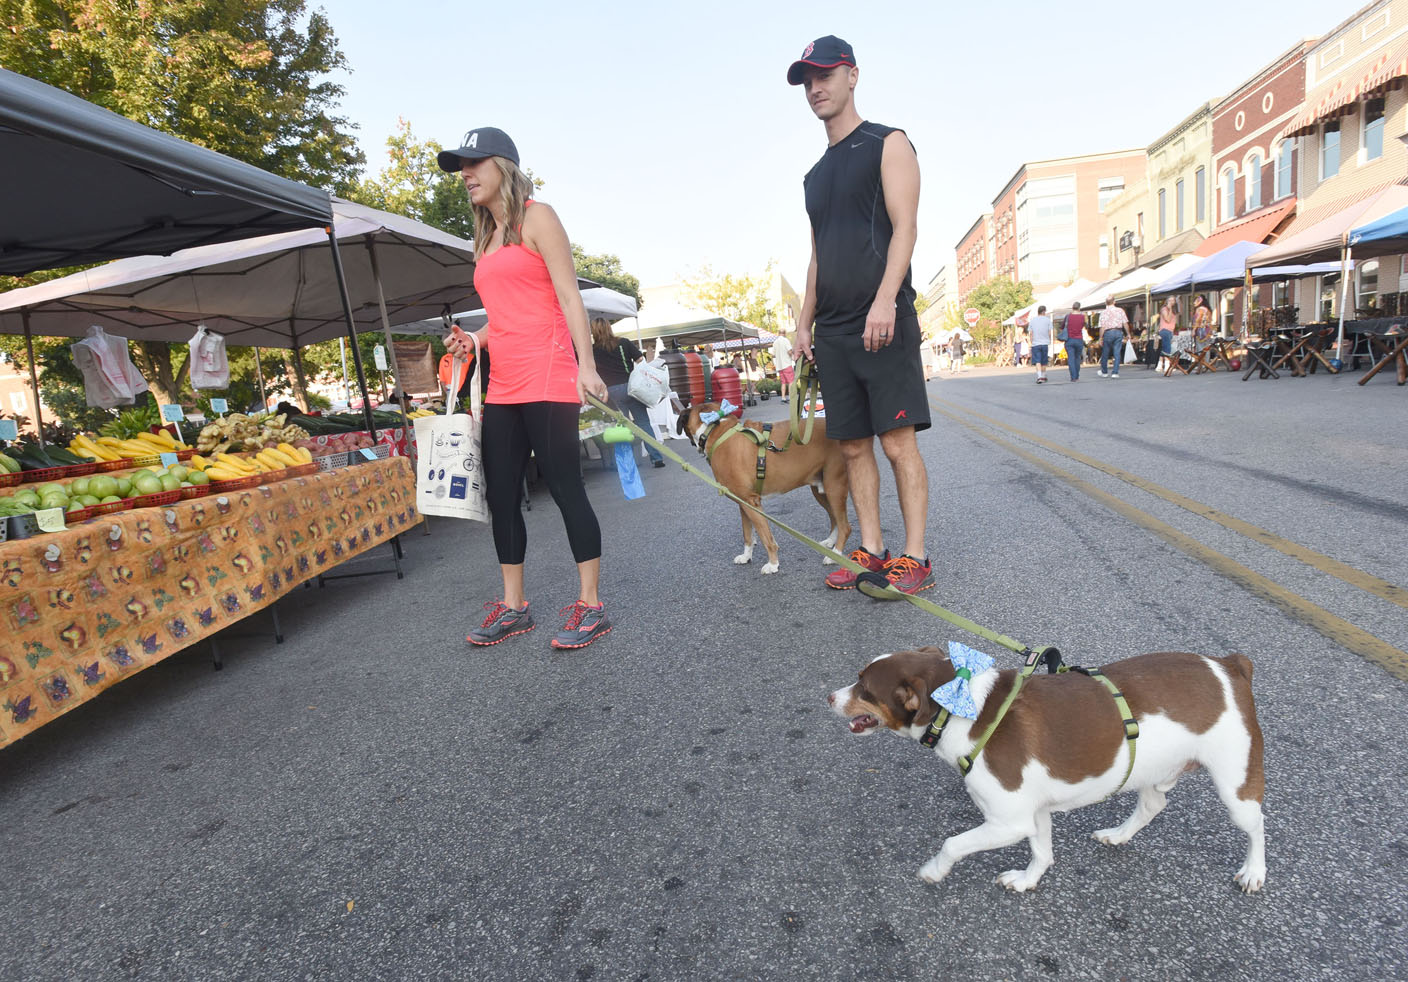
846 204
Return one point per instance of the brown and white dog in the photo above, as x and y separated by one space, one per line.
1061 746
818 463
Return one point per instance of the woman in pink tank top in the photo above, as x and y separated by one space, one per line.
540 371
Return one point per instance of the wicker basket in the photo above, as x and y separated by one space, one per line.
237 484
111 507
157 500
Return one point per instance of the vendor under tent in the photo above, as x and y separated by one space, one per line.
85 185
270 291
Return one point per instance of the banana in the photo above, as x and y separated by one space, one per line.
271 459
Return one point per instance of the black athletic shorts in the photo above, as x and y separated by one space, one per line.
869 392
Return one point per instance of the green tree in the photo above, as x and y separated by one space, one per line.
606 269
412 184
249 79
999 298
740 297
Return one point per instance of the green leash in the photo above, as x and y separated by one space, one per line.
1032 656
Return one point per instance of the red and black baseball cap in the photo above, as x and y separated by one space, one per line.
827 52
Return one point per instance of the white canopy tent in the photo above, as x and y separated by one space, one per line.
1054 300
682 325
599 301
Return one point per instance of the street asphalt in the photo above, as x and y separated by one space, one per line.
375 799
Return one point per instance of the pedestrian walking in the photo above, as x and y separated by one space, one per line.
542 372
614 358
1075 341
955 352
782 361
858 321
1168 323
1040 328
1114 331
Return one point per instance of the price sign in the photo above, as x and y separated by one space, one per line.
367 453
219 406
168 460
9 429
379 356
50 519
172 414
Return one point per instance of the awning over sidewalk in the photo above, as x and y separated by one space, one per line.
1135 282
1341 97
1386 236
1251 228
84 185
1326 239
1225 269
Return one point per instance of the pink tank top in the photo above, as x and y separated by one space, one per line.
531 358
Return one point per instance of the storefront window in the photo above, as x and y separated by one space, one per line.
1178 206
1368 285
1373 129
1330 151
1163 213
1254 182
1283 170
1229 194
1200 194
1329 287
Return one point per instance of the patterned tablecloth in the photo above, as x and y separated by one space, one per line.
83 609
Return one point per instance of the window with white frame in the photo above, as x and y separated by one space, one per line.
1330 150
1200 194
1178 205
1281 293
1373 130
1104 252
19 405
1281 182
1367 287
1163 213
1254 182
1229 194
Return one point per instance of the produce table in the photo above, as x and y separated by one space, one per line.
85 608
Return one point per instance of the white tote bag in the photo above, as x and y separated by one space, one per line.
450 468
1129 355
649 383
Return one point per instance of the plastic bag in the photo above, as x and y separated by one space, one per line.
450 468
210 369
648 383
109 377
1129 356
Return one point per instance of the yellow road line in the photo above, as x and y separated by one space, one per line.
1325 564
1335 628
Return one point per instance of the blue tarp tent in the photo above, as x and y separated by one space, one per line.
1226 268
1385 236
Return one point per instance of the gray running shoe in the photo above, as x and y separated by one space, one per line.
501 623
584 625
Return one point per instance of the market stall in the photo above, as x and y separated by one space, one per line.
87 607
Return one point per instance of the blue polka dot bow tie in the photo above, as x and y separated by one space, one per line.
957 695
725 409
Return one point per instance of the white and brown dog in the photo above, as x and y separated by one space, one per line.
1062 745
818 463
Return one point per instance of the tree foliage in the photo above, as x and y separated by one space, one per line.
249 79
606 269
999 298
740 297
411 183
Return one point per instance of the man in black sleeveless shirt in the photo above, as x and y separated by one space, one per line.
863 200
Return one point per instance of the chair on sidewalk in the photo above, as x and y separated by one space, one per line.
1394 346
1259 355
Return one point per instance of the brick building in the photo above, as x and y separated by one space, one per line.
974 257
1255 165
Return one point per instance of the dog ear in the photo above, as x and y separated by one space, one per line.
913 693
679 423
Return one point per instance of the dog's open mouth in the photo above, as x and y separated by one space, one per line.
863 722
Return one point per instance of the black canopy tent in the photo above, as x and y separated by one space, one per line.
85 185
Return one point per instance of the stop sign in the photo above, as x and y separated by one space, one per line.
971 316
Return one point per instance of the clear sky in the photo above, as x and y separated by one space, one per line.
668 135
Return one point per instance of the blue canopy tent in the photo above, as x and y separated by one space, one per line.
1385 236
1226 268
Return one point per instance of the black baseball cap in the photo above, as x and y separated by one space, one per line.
486 141
826 52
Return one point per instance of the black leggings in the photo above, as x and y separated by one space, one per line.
549 430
